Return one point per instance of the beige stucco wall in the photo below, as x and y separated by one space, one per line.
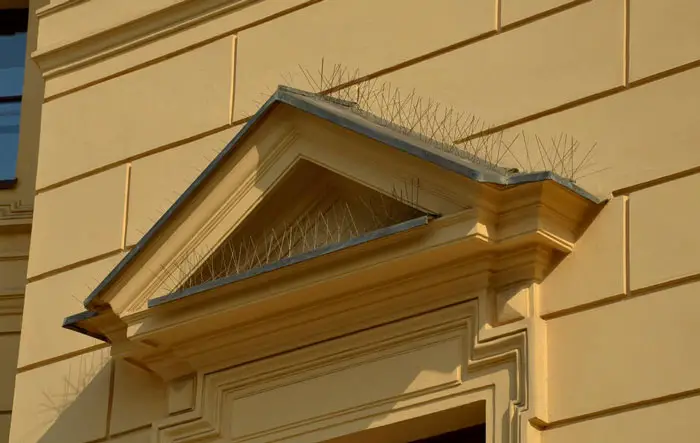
133 110
16 206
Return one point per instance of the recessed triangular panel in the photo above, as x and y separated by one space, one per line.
310 209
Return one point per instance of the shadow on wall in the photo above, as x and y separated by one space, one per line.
75 408
355 401
63 401
69 401
374 429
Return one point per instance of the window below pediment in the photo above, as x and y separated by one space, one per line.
473 434
462 424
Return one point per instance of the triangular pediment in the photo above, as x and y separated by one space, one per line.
307 180
288 171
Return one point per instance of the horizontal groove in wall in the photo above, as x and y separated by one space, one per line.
585 100
126 160
379 73
47 10
62 357
173 28
618 410
544 14
495 129
14 256
545 113
499 128
131 69
657 181
399 66
621 297
666 73
77 264
666 285
584 307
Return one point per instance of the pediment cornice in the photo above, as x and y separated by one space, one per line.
431 264
473 233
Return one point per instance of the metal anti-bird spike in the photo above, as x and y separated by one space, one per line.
336 223
456 133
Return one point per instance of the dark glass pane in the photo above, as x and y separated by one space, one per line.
12 48
13 21
474 434
9 138
13 44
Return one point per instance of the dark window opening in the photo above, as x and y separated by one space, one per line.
13 44
473 434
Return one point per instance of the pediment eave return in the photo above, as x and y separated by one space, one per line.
516 228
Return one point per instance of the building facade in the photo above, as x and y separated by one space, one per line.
453 215
17 175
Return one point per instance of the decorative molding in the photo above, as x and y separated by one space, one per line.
208 330
289 145
14 255
366 161
69 56
426 269
138 31
213 221
458 289
11 307
477 362
11 304
54 7
323 319
16 217
182 394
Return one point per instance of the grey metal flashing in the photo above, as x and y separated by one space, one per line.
289 261
339 113
344 117
532 177
73 323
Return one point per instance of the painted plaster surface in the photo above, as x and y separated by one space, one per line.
125 105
